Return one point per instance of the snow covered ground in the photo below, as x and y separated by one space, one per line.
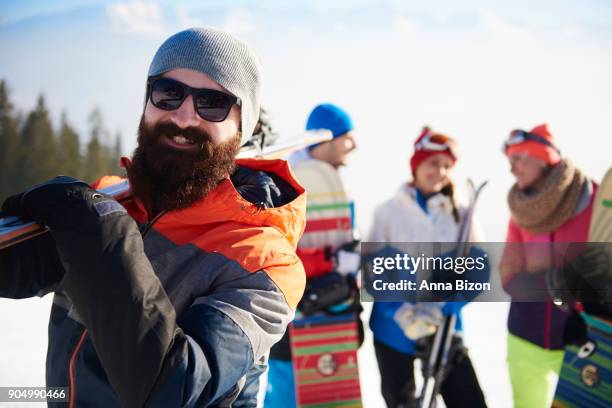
23 344
485 335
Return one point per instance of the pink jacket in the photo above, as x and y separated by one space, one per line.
541 323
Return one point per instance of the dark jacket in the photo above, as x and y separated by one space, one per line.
180 318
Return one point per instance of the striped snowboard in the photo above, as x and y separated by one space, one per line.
585 380
324 352
324 347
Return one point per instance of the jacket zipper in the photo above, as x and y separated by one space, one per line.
547 326
548 320
147 227
72 367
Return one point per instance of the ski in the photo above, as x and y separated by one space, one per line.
437 363
14 230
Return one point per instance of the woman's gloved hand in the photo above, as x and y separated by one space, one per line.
419 319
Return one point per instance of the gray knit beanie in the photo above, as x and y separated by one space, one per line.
221 56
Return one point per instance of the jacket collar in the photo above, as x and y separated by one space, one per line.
407 193
224 204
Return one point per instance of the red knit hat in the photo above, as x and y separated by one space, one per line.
543 149
428 144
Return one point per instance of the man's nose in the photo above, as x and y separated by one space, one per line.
185 116
352 142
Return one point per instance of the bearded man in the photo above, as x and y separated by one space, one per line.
174 297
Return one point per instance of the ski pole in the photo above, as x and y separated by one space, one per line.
438 361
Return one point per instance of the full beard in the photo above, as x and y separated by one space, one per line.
167 179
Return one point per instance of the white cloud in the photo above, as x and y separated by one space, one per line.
302 30
338 6
137 17
404 25
184 18
340 27
239 21
573 31
501 27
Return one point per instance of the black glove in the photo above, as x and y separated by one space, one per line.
457 351
59 195
575 330
352 246
448 276
585 278
323 292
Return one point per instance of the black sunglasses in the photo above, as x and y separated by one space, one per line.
169 94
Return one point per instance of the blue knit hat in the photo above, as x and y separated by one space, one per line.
330 117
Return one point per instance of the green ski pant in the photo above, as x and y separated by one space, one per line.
533 372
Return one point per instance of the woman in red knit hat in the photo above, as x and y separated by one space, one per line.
423 210
551 202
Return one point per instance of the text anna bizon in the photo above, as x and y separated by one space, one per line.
424 285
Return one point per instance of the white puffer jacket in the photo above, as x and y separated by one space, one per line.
401 219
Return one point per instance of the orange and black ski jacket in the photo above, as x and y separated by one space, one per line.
180 317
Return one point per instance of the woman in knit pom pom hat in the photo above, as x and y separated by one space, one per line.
423 210
550 202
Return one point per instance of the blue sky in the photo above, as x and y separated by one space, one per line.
533 12
473 69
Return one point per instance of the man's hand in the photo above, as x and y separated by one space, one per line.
347 258
585 277
41 201
590 274
347 262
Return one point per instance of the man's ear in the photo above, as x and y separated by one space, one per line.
319 152
146 96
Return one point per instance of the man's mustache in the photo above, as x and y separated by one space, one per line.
168 129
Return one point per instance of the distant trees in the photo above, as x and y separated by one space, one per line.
10 143
32 151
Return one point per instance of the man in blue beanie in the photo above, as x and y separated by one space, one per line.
173 297
336 151
321 262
